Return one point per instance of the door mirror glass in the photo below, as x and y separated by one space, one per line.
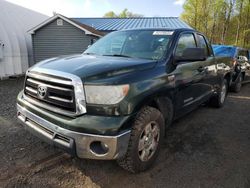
191 54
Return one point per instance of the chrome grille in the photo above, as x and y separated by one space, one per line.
59 91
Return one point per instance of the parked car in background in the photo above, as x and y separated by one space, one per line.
115 101
241 60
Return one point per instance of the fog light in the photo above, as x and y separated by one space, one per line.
99 148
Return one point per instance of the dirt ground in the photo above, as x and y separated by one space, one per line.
207 148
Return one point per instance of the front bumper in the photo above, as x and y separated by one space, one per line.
82 145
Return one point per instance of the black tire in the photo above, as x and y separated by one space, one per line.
236 87
131 161
217 101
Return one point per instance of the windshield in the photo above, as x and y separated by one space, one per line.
224 51
135 44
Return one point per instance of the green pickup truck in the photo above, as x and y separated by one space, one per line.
114 101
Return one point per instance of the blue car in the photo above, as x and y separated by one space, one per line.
241 61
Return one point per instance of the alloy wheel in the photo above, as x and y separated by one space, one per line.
149 141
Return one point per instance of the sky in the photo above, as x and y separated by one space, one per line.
97 8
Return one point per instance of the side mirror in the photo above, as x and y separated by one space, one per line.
191 54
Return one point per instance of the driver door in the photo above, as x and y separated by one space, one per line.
191 77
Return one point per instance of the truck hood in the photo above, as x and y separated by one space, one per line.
86 66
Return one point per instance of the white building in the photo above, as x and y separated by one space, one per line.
15 42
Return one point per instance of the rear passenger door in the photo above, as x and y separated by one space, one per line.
192 82
210 78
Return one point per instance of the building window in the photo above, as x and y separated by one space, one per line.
59 22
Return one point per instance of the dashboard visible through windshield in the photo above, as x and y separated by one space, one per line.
144 44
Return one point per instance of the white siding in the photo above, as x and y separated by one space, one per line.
15 42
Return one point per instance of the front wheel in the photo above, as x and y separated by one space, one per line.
219 100
145 140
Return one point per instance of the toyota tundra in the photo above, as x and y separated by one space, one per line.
115 101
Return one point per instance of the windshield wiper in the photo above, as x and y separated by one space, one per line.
117 55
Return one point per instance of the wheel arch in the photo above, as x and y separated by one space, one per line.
163 103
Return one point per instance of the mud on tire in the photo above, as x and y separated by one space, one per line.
132 160
236 87
217 101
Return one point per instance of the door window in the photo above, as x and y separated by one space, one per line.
185 41
203 44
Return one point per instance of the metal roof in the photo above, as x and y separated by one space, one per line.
113 24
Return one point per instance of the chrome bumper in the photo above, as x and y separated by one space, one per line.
82 145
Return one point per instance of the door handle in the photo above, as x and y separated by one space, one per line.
200 69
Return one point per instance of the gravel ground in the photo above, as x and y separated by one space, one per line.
207 148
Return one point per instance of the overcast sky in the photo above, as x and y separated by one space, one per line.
97 8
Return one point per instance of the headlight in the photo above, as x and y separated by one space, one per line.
105 94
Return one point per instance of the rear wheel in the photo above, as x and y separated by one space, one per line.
145 140
219 100
237 86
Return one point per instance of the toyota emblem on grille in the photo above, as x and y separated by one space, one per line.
41 91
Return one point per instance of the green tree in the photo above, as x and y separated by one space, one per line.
124 14
110 14
223 21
